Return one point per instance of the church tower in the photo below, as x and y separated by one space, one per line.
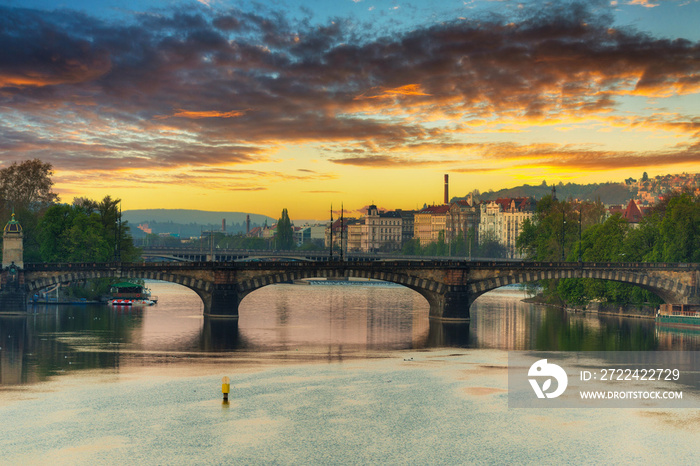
12 244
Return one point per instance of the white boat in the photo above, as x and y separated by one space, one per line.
130 302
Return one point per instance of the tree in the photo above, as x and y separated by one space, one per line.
489 247
27 185
679 230
86 231
411 247
52 227
284 239
555 228
25 188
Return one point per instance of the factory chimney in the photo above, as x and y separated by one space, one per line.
223 225
247 224
447 189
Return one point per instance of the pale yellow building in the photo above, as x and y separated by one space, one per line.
354 232
429 222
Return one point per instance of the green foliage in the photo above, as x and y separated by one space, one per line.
25 188
669 233
411 247
90 290
223 241
284 239
604 242
554 230
29 220
489 247
26 185
312 246
84 232
680 230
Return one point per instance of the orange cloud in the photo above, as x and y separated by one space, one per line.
401 91
644 3
70 73
206 114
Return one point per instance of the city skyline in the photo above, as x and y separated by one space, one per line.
214 104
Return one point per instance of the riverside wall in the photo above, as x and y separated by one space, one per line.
639 311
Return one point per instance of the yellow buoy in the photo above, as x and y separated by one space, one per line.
225 387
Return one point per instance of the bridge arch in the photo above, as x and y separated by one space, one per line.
667 289
199 286
431 290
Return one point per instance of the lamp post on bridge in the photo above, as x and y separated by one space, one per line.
330 251
341 232
580 227
563 224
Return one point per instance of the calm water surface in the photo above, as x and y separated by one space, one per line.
320 373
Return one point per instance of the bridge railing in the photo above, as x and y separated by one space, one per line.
68 266
383 264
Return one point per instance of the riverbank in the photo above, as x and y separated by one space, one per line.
637 311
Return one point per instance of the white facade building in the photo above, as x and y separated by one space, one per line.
502 219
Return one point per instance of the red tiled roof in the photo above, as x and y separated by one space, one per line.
520 202
632 213
435 209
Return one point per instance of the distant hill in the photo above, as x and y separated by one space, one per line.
186 223
191 216
607 193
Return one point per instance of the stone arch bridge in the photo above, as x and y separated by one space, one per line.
449 286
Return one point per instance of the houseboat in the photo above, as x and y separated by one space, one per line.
130 294
679 315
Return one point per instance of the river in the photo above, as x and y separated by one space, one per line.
352 373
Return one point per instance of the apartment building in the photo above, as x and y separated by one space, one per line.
502 220
375 232
463 218
382 231
429 222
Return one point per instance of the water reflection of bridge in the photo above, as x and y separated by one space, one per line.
55 340
449 286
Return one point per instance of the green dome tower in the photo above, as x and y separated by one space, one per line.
13 244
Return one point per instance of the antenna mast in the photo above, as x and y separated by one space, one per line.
331 245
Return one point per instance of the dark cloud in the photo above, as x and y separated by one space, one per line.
474 170
385 161
205 87
36 52
584 158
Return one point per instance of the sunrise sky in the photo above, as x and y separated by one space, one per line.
258 106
